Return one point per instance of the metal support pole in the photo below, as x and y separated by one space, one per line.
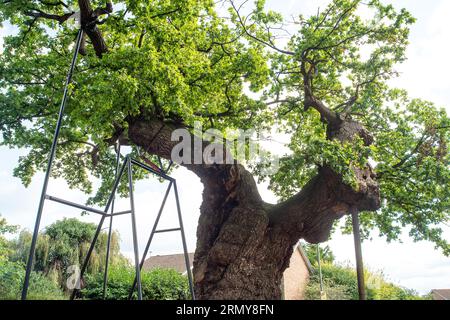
49 168
108 245
152 233
320 271
358 254
169 166
75 205
133 224
99 227
183 238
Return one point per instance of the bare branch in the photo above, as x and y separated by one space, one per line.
266 43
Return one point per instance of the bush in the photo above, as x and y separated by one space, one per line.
340 283
5 245
64 244
11 280
157 284
335 292
378 288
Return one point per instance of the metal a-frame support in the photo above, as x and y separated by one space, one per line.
49 168
127 164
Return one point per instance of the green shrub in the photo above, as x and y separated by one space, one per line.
378 288
5 245
340 283
335 292
165 284
157 284
11 280
64 244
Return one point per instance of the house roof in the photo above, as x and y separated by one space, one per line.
170 261
441 294
176 261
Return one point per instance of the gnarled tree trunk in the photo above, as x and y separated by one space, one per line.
244 244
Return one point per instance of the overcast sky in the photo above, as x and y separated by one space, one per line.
413 265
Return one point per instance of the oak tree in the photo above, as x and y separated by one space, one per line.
149 67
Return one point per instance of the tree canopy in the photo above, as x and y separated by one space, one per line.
181 61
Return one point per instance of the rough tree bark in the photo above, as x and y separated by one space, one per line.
245 244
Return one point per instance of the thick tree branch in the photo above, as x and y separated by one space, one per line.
89 22
310 213
36 13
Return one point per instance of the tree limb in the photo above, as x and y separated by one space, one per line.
40 14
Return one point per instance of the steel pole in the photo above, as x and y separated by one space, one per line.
108 245
152 233
133 224
358 255
183 238
49 167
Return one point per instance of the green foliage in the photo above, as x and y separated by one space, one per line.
334 292
11 280
351 60
5 228
63 244
326 255
157 284
179 61
340 283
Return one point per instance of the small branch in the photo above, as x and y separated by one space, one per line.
54 4
28 31
141 38
336 25
266 43
162 14
407 157
79 142
282 101
107 9
310 100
